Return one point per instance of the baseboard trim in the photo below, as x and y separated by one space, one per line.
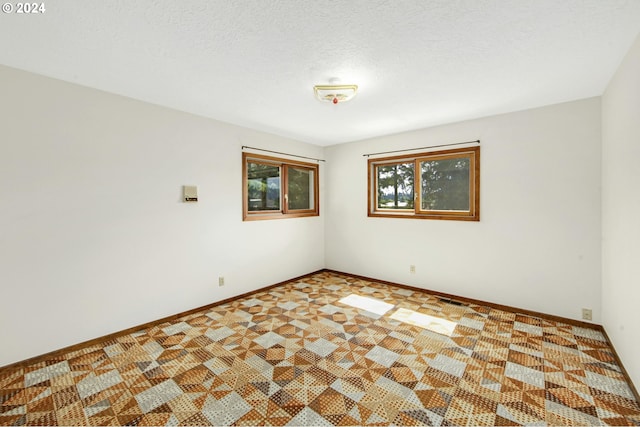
532 313
466 300
624 371
118 334
115 335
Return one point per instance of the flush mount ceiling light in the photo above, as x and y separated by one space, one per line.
335 93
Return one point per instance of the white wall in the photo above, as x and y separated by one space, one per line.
620 207
93 235
537 245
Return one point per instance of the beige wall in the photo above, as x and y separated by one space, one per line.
620 207
537 245
93 235
94 238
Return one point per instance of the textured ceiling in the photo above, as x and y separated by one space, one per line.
254 63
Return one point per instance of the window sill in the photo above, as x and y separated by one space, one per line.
412 215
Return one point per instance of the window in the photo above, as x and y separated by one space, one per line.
276 188
435 185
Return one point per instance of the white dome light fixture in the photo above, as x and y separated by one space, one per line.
335 93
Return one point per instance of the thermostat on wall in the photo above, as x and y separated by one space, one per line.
190 193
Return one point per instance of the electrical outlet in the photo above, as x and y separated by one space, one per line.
586 314
221 281
412 269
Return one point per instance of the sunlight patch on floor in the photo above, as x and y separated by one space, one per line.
369 304
435 324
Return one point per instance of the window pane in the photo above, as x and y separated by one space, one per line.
395 186
445 184
300 192
263 185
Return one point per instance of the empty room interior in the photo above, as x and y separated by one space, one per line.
320 213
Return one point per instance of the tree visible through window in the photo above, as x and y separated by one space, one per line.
395 186
278 188
445 184
300 188
263 186
436 185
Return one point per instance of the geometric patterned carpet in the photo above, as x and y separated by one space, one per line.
296 355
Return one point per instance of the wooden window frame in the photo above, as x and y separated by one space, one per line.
473 214
284 211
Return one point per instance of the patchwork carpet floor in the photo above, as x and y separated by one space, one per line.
298 355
